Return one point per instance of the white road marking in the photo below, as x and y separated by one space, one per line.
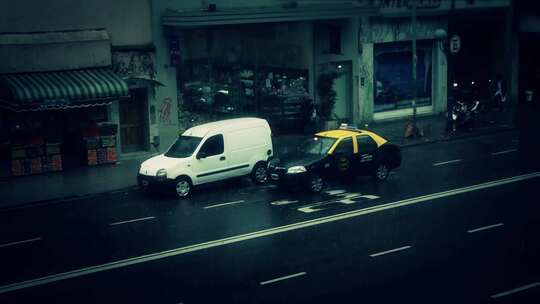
283 278
447 162
504 152
131 221
20 242
224 204
512 291
389 251
335 192
283 202
256 234
485 228
347 199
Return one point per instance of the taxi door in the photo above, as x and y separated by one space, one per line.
367 148
343 156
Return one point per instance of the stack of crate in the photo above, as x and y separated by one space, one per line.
52 161
101 150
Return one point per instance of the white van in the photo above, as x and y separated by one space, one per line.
211 152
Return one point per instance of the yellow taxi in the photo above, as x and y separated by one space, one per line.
343 153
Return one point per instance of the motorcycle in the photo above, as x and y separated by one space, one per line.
464 114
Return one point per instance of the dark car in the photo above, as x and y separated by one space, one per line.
342 153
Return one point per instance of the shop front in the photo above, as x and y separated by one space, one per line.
58 120
252 62
248 70
387 60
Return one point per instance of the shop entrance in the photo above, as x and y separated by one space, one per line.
342 87
133 121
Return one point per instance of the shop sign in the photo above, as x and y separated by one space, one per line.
455 44
404 7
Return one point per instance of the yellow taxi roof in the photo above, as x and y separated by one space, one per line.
340 133
337 133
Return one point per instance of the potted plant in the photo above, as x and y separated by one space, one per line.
327 99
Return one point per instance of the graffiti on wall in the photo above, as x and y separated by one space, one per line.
165 111
128 64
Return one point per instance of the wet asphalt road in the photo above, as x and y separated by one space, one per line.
238 243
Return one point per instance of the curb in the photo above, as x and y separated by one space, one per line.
458 137
65 199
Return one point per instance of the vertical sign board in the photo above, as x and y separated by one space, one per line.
174 45
455 44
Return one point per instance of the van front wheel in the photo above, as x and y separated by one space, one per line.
182 186
259 174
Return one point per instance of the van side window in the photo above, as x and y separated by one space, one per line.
213 146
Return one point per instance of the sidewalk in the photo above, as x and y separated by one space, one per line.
88 181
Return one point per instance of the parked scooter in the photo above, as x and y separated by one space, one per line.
464 114
466 107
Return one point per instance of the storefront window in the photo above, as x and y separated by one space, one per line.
394 85
256 70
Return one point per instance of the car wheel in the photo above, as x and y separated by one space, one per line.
183 187
315 183
259 174
381 172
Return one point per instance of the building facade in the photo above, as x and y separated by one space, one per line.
265 58
79 85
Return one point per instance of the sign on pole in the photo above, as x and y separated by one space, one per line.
455 44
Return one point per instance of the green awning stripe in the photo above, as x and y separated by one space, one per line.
81 83
106 84
72 86
34 89
16 88
67 82
64 90
47 87
101 87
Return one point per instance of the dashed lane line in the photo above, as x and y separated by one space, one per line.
485 228
389 251
283 278
256 234
515 290
447 162
224 204
504 152
20 242
132 221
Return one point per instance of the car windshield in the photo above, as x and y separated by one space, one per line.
317 145
184 146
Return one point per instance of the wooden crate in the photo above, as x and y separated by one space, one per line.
35 165
111 155
55 162
92 157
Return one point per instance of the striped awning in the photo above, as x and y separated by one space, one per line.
62 89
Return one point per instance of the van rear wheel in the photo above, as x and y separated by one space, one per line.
259 174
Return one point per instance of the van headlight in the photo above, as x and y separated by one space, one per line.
161 173
296 169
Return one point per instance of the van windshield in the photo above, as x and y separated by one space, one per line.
317 145
184 146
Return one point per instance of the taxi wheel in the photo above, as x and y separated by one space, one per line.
315 183
381 172
183 187
259 174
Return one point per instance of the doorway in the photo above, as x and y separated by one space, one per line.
342 86
134 121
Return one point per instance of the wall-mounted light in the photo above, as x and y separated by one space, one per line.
340 66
